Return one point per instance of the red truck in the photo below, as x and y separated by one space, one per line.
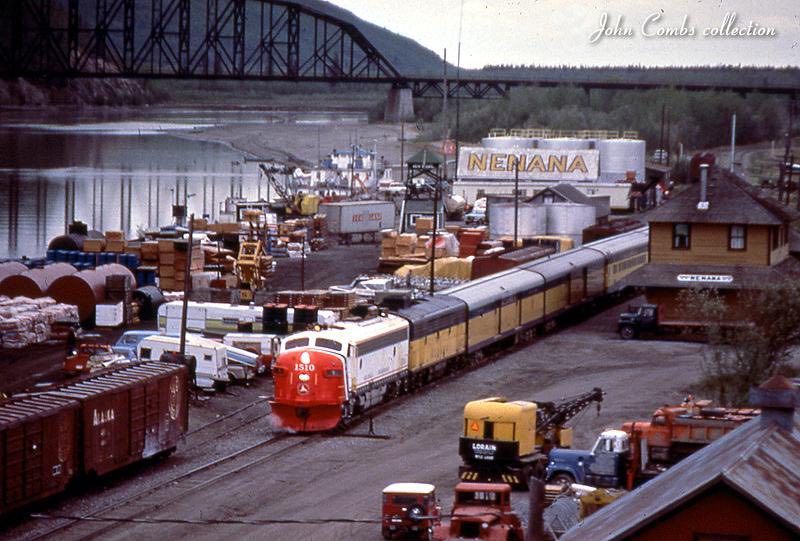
642 449
481 511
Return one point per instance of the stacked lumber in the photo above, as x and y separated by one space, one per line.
115 242
172 258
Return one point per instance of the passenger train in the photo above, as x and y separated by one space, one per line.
324 377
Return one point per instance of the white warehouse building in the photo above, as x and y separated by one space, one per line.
598 163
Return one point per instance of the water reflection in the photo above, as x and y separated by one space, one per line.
118 173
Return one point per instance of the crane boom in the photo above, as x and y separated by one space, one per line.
551 415
284 192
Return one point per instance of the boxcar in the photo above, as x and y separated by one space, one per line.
128 415
37 448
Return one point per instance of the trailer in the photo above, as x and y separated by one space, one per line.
211 358
358 221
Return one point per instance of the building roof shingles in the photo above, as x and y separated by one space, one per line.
731 201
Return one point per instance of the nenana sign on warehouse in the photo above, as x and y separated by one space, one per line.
534 163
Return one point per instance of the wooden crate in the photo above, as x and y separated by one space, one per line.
115 246
94 245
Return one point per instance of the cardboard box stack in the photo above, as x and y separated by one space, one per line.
94 245
469 239
406 244
119 289
115 242
423 225
388 243
172 257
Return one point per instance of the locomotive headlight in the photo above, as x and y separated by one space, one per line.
485 525
304 377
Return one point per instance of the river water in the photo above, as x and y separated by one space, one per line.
121 170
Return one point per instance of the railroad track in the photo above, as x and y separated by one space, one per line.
92 526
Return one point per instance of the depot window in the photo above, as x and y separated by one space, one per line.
737 237
681 236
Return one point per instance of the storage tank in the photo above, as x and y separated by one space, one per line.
532 220
617 156
507 142
35 282
86 289
569 220
564 143
11 268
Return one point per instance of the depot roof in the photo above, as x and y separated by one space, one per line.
731 200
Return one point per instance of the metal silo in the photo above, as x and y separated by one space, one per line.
508 142
532 220
569 220
618 156
564 143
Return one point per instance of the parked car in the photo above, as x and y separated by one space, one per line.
128 343
477 215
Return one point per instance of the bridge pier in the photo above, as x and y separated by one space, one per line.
399 105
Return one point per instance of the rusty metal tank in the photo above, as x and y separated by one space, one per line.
11 268
86 289
35 282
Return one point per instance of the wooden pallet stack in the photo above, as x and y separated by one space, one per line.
172 257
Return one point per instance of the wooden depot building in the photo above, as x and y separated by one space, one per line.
719 233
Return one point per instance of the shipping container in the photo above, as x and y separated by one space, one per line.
38 451
358 217
128 415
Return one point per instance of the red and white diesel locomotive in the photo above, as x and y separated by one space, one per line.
322 377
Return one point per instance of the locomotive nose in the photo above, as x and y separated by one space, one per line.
302 413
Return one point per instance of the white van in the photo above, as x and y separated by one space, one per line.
211 357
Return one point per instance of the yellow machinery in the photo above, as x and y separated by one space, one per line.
597 499
507 442
253 266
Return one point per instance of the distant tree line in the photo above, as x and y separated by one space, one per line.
695 119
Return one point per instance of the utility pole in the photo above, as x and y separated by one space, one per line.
458 89
436 188
402 149
661 140
187 281
516 202
303 262
733 141
445 91
352 170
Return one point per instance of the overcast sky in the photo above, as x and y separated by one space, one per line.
558 32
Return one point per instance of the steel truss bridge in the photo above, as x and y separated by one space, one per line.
233 39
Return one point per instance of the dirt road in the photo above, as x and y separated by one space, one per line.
341 478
